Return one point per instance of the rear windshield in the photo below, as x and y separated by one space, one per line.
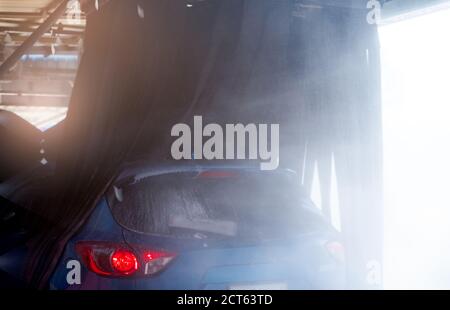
214 203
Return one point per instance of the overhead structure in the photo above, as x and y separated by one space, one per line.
394 10
40 45
33 38
20 19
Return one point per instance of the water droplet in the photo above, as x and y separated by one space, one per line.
140 11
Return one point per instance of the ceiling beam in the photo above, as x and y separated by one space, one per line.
21 23
46 39
396 10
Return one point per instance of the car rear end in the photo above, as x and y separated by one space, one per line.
205 228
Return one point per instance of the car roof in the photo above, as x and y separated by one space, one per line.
141 170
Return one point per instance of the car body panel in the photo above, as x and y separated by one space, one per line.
297 262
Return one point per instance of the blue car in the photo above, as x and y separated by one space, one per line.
197 226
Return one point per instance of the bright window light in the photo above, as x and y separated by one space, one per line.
416 123
41 117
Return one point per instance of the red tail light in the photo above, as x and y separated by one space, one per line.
119 260
124 261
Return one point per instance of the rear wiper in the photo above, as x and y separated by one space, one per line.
220 227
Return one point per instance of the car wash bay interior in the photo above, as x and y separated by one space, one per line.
413 122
